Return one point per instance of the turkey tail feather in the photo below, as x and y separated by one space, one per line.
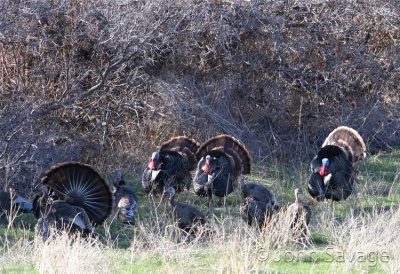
183 145
348 139
231 146
80 185
179 143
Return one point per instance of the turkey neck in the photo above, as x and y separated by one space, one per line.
297 198
172 201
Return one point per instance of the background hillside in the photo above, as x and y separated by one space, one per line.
105 82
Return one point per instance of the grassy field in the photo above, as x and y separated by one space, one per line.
357 235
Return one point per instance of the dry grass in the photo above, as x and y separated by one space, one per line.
105 82
358 243
96 82
72 254
347 239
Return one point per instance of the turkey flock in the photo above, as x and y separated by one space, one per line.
75 196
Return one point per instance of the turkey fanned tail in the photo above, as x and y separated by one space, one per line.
349 140
186 147
229 145
335 180
80 185
221 160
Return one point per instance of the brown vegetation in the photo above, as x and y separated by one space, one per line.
106 82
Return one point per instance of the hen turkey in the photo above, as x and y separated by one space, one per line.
258 205
298 215
187 217
255 212
171 166
222 160
74 196
259 193
125 199
334 167
11 202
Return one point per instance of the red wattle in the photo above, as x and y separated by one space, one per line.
207 168
152 165
323 171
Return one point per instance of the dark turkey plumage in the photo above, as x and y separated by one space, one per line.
74 195
260 193
255 212
171 166
9 201
222 160
258 203
186 217
334 167
59 215
125 200
298 215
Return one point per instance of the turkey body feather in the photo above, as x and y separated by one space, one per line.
186 217
298 216
73 196
255 212
65 217
171 166
333 169
125 201
221 160
260 193
10 202
258 203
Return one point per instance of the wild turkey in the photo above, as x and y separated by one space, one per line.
125 199
298 215
255 212
171 166
74 195
258 205
334 168
222 160
8 200
259 193
59 213
187 217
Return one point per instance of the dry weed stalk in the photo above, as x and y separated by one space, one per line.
96 82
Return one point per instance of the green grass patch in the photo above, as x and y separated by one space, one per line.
378 189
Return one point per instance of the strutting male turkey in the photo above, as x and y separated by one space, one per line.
258 203
73 196
12 202
171 166
334 167
125 199
222 160
187 217
298 215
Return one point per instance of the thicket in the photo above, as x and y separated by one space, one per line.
105 82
